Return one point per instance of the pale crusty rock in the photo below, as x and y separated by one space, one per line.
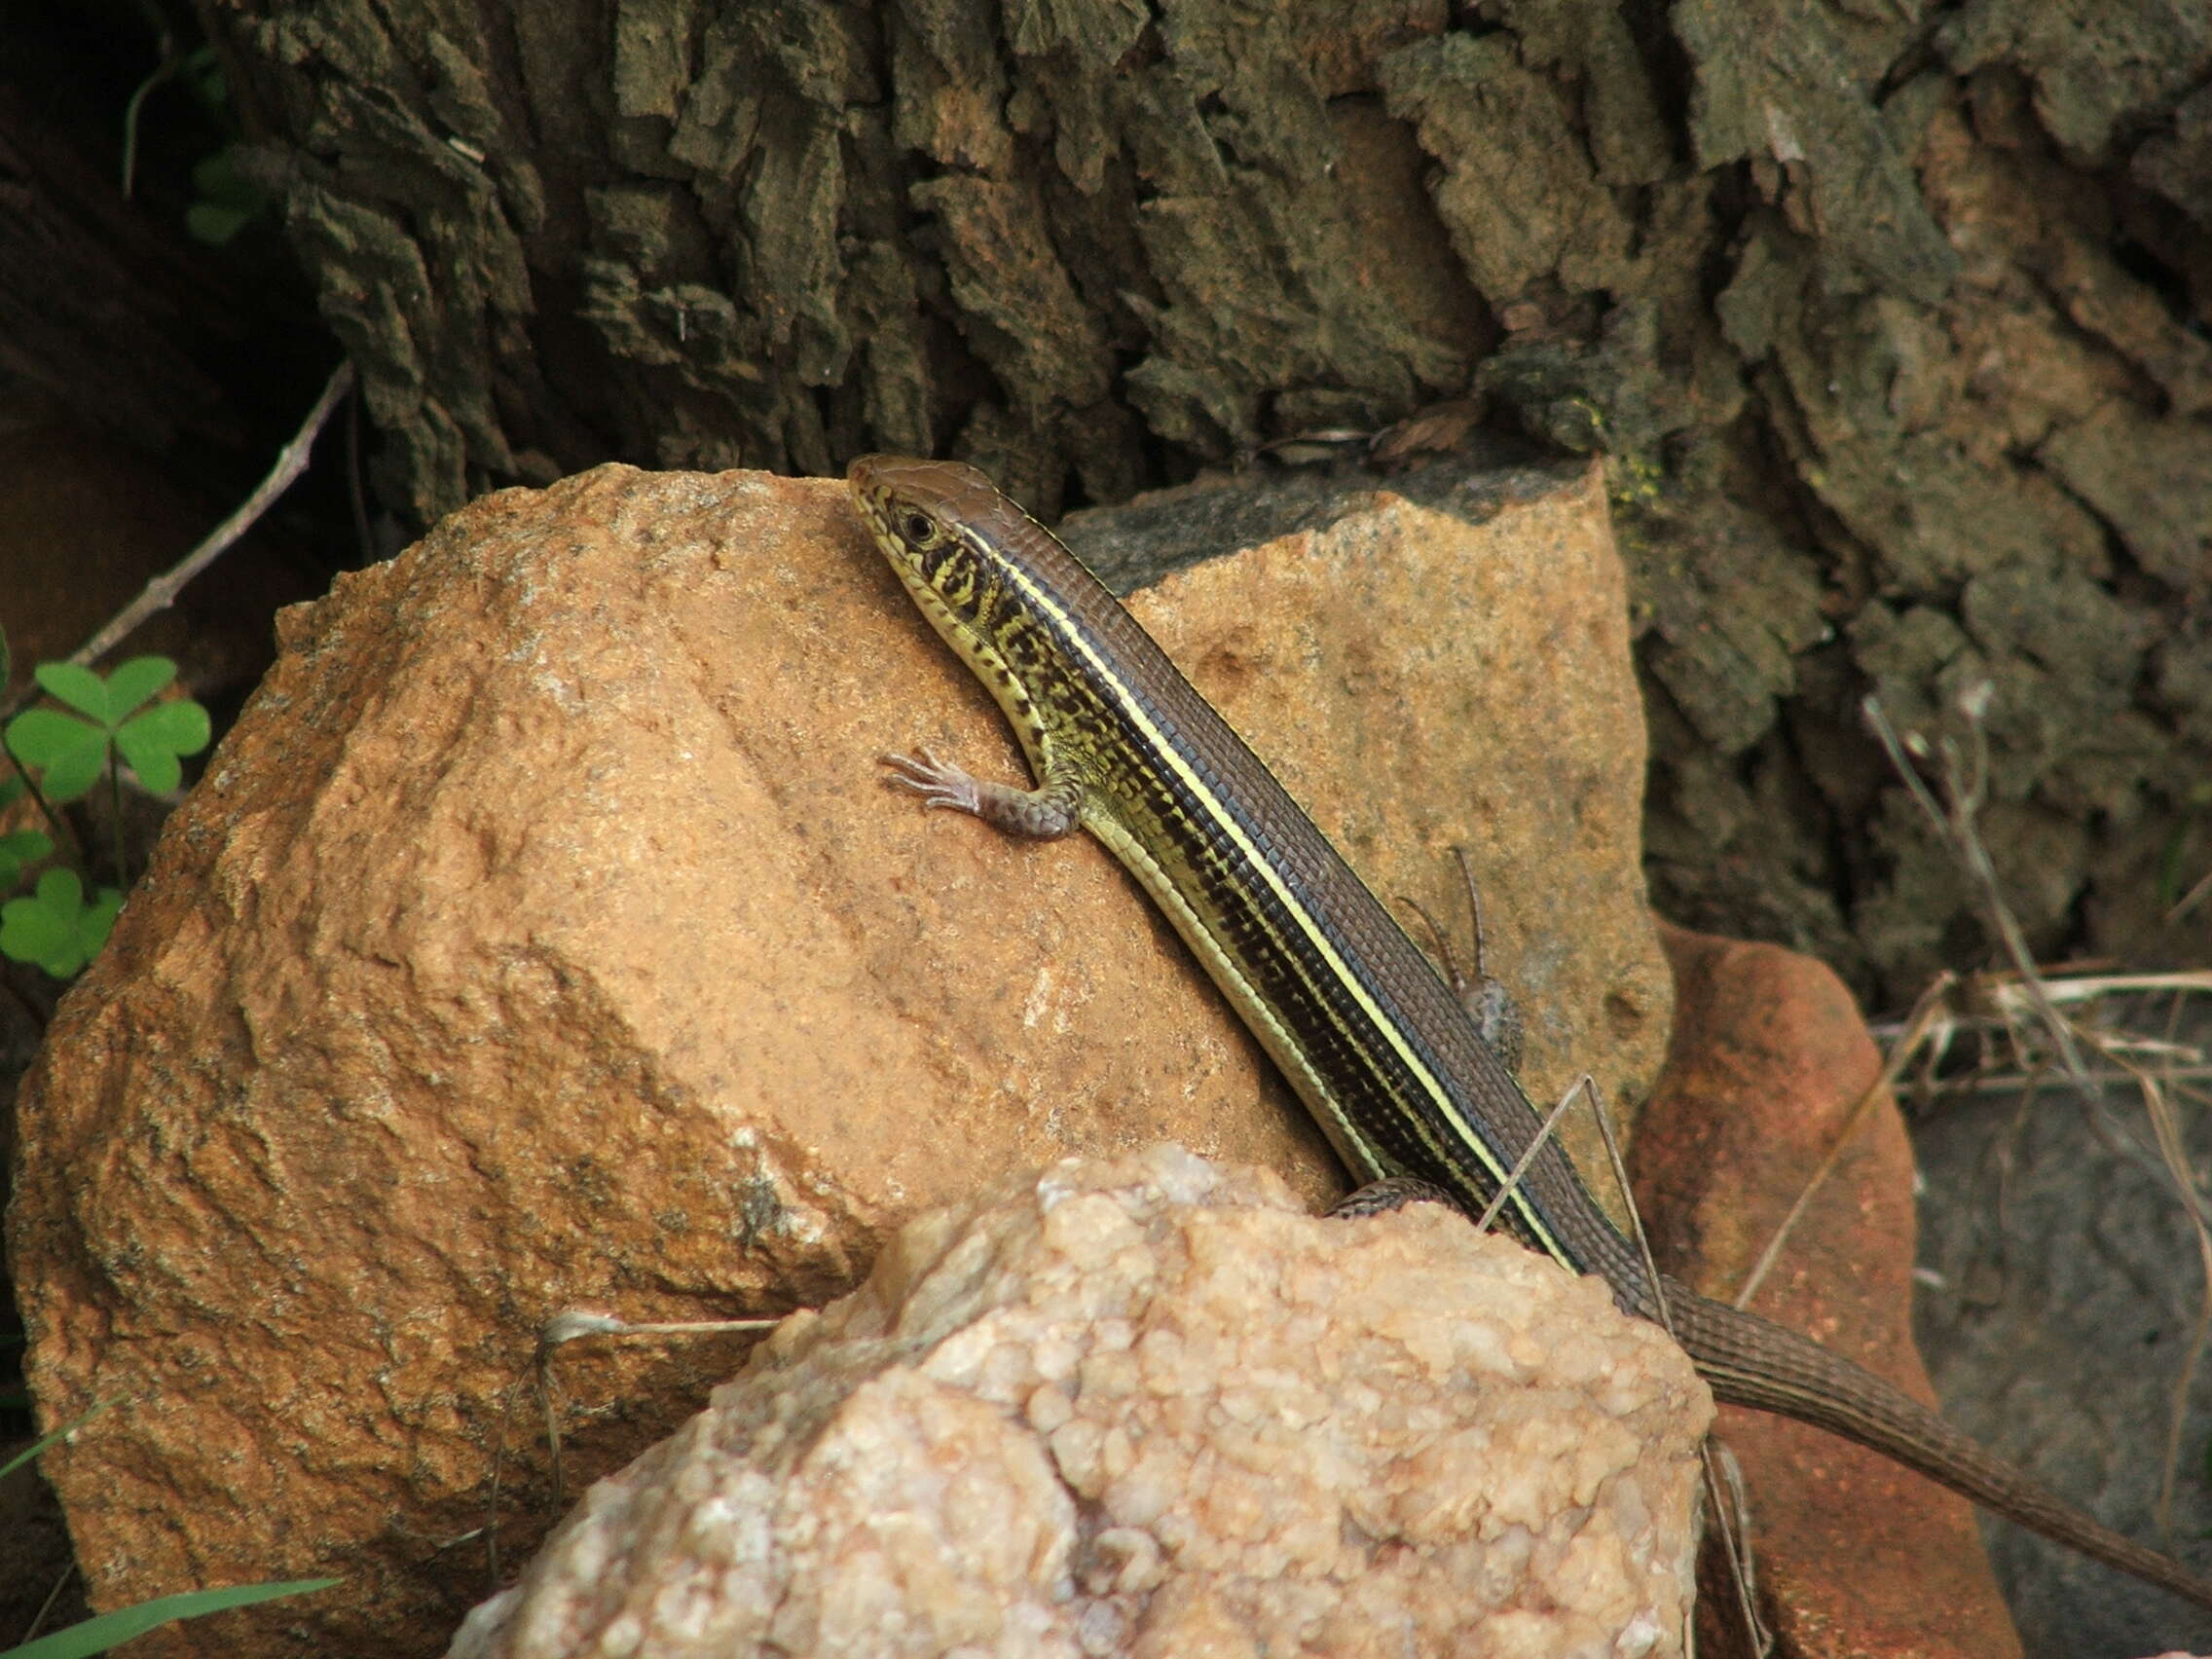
541 937
1148 1407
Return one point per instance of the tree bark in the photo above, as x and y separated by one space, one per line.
1891 318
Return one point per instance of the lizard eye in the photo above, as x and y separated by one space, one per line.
918 527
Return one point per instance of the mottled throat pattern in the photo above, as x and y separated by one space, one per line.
1377 1046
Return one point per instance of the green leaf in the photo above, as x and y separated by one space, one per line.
152 742
180 724
212 224
38 737
12 787
71 752
156 766
54 926
203 74
228 200
67 750
76 685
132 682
19 849
216 176
110 1630
31 930
99 920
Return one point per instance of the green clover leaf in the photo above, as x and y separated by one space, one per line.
20 849
70 751
108 701
78 686
153 742
228 202
135 683
54 926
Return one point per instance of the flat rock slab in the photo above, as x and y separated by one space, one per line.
1769 1064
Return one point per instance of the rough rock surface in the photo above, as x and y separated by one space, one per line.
541 936
1495 712
1147 1406
1854 1554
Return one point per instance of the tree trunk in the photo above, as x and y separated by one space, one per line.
1891 320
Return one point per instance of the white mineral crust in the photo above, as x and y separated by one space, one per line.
1143 1406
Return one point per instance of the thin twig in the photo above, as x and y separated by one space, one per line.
162 591
1736 1545
567 1326
2165 1129
1512 1182
1731 1503
45 1608
37 1015
2188 900
114 822
356 496
575 1324
491 1527
2003 1001
1926 1012
1628 1203
2015 1014
2089 987
2008 1084
63 835
1955 824
171 60
1966 785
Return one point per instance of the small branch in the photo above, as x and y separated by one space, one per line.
1512 1182
162 591
2188 900
1966 785
63 835
1729 1509
115 821
171 60
1924 1017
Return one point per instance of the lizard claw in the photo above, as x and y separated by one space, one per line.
939 782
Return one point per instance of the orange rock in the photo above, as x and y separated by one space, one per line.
1769 1057
541 937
